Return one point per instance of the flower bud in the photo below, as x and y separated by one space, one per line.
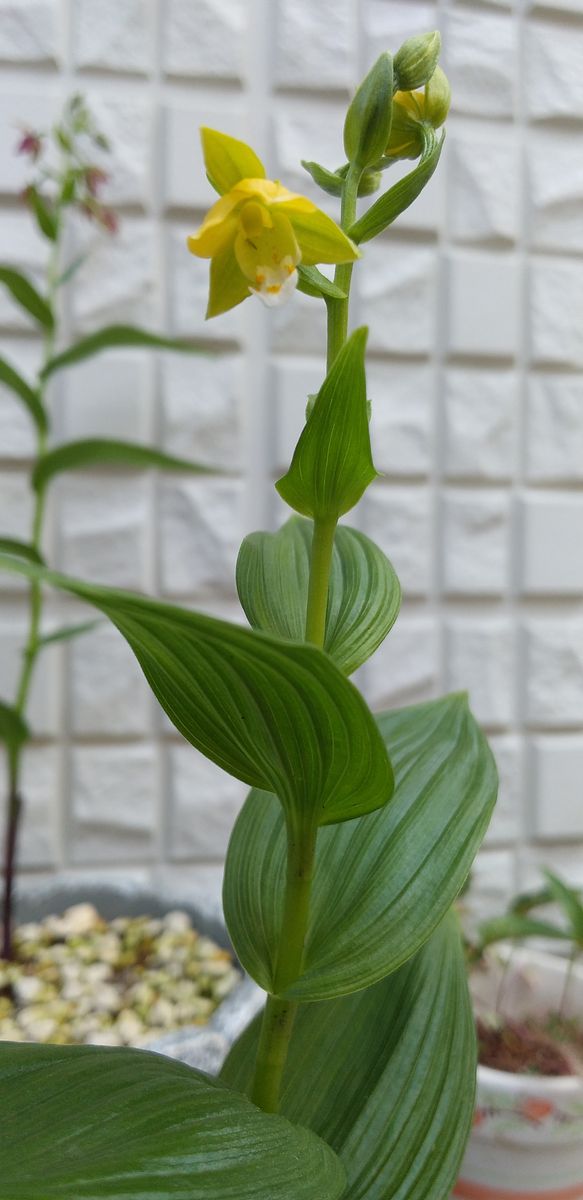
437 98
406 140
368 120
416 60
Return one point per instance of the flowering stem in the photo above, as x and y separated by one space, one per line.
32 646
338 309
279 1013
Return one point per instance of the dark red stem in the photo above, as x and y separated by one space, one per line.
12 826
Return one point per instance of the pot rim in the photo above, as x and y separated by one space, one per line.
561 1087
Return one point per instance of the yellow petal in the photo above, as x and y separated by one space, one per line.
227 160
254 218
270 191
319 237
218 227
228 286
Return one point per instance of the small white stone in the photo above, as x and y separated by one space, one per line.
177 921
80 919
103 1037
28 989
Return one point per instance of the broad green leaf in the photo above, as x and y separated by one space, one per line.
368 121
385 1076
26 295
273 571
67 632
82 1122
13 727
228 160
514 926
20 549
314 283
112 337
332 463
567 899
382 883
277 716
389 206
97 452
21 388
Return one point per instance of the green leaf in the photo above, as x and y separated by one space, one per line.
45 217
30 398
328 181
368 121
382 883
66 632
13 727
385 1076
277 716
312 282
106 452
567 899
499 929
89 1122
273 571
112 337
20 549
332 463
26 295
389 206
526 901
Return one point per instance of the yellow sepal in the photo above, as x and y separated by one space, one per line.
227 160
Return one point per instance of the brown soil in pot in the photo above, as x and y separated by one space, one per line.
528 1048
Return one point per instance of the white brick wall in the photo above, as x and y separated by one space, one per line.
475 304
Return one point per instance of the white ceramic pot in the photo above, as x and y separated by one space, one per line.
527 1140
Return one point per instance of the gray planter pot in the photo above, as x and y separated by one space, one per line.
203 1047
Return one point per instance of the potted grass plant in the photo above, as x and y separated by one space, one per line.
358 1077
527 1137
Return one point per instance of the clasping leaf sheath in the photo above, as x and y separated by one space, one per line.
332 463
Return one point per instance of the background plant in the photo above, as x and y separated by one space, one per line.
65 177
358 833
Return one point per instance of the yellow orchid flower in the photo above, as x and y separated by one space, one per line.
258 232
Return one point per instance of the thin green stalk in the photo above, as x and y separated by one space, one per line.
279 1013
31 648
338 309
567 983
320 563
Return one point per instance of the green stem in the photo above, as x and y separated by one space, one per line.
279 1013
321 559
338 309
32 645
